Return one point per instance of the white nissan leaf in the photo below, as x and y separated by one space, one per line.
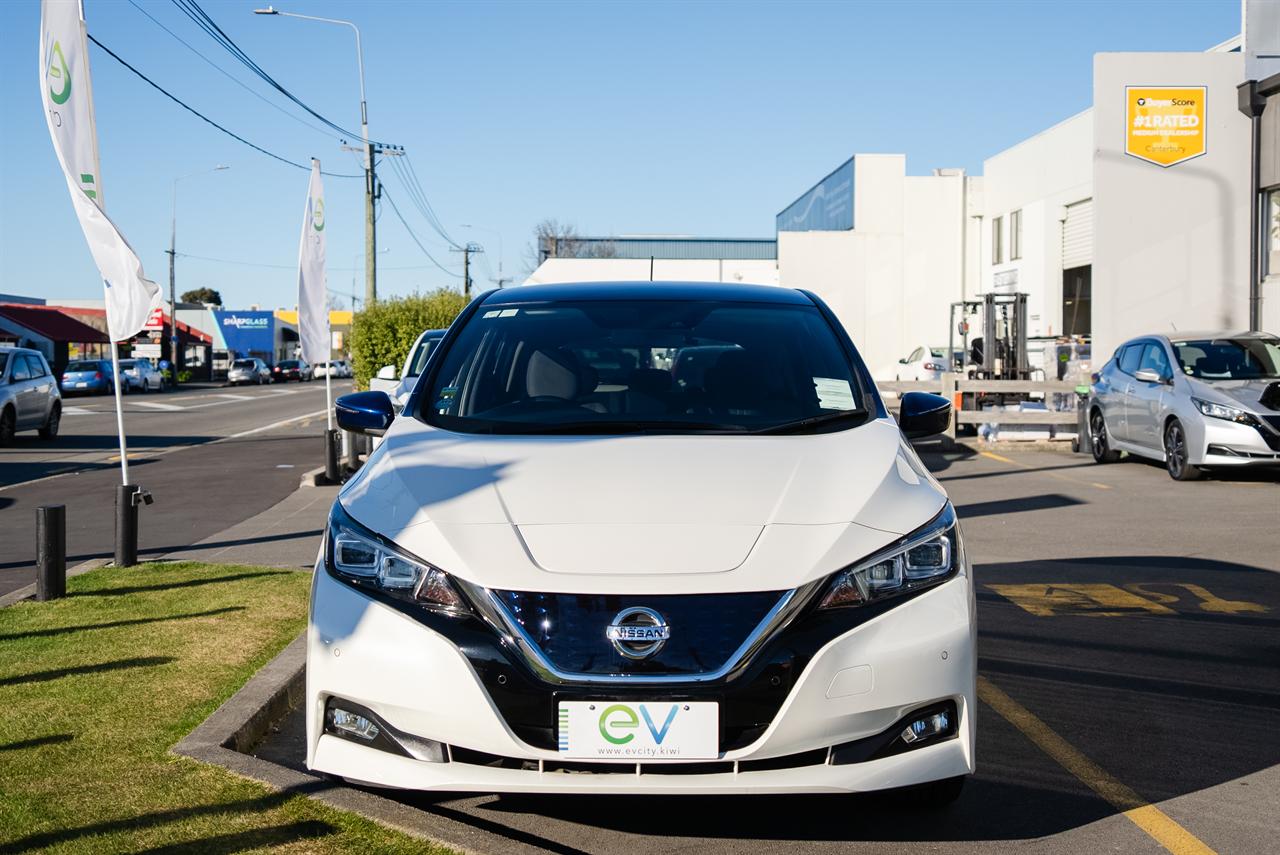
580 563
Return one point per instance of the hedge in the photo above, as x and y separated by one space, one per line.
383 333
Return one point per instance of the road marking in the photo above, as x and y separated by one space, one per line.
273 425
236 397
1155 822
1050 599
155 405
1209 601
993 456
77 411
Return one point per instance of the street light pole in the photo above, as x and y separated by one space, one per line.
173 251
370 179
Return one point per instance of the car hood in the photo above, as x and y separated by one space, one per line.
643 514
1244 393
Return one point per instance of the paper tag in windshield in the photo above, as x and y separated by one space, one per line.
833 394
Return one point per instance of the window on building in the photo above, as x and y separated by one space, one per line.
1015 235
1272 255
1077 301
997 240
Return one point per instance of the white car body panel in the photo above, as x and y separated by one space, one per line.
499 512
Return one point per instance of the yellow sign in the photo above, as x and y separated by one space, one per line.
1165 124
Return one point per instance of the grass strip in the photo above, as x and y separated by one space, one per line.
96 688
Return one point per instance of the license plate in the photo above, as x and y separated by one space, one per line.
640 731
81 385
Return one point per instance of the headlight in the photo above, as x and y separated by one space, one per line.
1222 411
369 562
930 555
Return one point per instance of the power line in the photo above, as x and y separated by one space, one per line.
228 74
438 225
201 18
419 201
290 266
400 217
175 99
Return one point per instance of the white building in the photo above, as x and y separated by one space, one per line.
672 258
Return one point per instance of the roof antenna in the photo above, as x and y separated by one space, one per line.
651 268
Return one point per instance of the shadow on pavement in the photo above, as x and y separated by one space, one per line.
1012 506
58 673
190 583
63 630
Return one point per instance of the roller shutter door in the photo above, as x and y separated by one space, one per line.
1077 235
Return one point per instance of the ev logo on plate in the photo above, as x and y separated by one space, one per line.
648 731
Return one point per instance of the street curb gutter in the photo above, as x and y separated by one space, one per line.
28 591
242 722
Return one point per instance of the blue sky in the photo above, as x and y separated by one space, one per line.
679 118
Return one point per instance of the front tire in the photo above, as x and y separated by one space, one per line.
1177 456
1098 439
50 429
8 426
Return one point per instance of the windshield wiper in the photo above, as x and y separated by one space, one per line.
813 421
616 427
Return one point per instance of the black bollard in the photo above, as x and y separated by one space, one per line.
353 451
126 525
331 473
51 552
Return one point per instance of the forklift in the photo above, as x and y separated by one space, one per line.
998 353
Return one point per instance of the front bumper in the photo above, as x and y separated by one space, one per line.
1224 443
854 688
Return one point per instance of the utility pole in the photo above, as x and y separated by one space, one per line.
467 251
174 358
372 192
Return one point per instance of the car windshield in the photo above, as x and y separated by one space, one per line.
289 363
645 366
242 363
127 364
1230 358
4 360
420 355
78 365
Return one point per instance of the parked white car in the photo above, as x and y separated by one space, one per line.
551 580
1193 400
398 385
923 364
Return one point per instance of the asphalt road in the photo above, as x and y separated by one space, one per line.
211 457
1129 699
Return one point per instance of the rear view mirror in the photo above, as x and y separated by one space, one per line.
1148 375
364 412
387 372
923 414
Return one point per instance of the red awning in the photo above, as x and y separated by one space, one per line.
50 323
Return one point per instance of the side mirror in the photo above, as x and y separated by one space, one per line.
923 414
1149 375
364 412
387 372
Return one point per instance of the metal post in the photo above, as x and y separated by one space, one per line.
1252 104
353 452
126 525
51 552
173 300
331 473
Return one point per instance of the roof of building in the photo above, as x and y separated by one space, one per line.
50 323
567 291
672 247
184 330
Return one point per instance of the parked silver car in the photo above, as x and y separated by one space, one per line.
140 375
1191 400
252 370
29 397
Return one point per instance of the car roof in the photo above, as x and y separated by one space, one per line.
15 349
729 292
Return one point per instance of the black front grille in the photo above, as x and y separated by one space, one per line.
705 629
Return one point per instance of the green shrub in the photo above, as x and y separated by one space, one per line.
383 333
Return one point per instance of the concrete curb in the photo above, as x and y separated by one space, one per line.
277 689
28 591
313 478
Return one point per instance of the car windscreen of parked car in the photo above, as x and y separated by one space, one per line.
420 356
77 365
1230 358
4 362
289 363
614 366
243 363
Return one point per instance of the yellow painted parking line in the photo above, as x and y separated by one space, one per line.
1155 822
1048 599
993 456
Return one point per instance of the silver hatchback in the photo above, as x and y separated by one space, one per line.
29 397
1192 400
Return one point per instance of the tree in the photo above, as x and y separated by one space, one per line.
382 333
554 239
202 295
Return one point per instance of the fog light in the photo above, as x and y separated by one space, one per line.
353 723
926 727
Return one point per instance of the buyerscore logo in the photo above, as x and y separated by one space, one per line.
59 75
317 215
1165 125
619 722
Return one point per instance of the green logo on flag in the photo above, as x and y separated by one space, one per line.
57 72
317 215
